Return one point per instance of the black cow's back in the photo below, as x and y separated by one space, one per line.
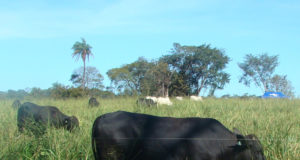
140 136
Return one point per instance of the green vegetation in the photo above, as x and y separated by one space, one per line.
275 122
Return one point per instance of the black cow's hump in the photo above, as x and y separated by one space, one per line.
120 113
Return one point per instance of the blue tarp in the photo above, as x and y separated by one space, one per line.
274 95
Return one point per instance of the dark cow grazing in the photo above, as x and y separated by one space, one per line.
145 102
16 104
36 118
132 136
93 102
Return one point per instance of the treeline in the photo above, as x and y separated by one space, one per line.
64 92
192 70
57 91
185 71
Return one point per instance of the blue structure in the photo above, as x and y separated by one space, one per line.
274 95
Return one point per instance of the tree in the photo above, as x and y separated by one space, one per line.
158 79
258 69
206 65
199 66
83 50
121 78
218 82
19 94
37 92
179 86
93 79
129 77
280 83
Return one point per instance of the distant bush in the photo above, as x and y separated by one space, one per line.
75 92
245 96
100 93
12 94
61 91
38 93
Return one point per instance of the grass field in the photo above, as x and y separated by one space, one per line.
275 122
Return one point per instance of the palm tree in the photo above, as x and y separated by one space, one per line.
83 50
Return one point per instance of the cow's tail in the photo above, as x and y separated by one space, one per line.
94 147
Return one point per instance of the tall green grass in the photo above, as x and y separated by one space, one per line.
275 122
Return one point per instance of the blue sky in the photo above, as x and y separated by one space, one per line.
36 37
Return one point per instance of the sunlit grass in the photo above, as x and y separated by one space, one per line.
275 122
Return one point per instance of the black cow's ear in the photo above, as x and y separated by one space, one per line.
252 137
236 131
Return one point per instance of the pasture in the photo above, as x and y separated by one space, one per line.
275 122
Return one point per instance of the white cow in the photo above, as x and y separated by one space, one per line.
179 98
196 98
164 100
153 98
161 100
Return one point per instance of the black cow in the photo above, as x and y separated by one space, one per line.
93 102
16 104
36 118
132 136
145 102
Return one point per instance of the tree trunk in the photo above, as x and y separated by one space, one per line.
266 89
83 76
167 92
163 89
201 86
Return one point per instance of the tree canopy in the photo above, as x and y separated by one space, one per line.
258 69
93 78
187 70
129 77
199 66
280 83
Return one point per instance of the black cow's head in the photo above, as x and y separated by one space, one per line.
255 147
249 147
71 122
93 102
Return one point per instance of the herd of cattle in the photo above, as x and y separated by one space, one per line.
154 101
132 136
